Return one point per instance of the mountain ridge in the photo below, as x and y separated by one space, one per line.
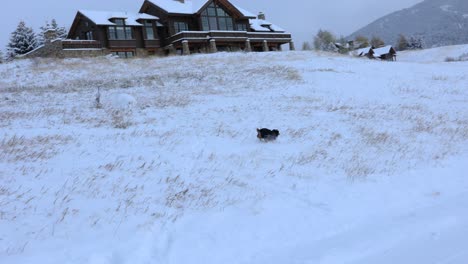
436 22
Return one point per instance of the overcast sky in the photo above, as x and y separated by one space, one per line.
300 17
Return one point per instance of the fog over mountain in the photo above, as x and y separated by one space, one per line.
438 22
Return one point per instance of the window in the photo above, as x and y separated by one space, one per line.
180 26
241 27
120 31
215 18
89 35
149 30
124 54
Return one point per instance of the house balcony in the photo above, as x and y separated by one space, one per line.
152 43
228 36
127 43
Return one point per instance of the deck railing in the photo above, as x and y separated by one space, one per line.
81 44
236 36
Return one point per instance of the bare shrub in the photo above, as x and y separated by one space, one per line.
122 118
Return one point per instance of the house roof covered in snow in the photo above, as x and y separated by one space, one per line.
103 18
264 26
190 7
383 50
363 51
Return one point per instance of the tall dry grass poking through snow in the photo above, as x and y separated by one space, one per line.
189 141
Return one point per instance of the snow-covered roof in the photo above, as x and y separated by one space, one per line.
103 17
190 6
381 51
244 12
363 51
174 6
263 25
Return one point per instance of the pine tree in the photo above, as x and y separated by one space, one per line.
2 58
22 40
377 42
61 32
402 43
415 43
306 46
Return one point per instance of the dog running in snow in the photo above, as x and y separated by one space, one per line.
266 134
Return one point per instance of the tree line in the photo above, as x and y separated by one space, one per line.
325 41
24 39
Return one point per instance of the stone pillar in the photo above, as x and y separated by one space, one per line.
49 35
171 49
291 45
213 48
265 46
185 48
248 47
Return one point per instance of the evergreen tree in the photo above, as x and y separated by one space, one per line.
324 40
402 43
415 43
22 40
1 57
306 46
377 42
61 32
361 42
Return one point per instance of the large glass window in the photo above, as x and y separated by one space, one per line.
180 26
215 18
241 27
89 35
120 31
149 30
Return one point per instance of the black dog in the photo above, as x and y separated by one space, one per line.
266 134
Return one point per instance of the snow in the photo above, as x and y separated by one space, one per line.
263 25
362 52
434 55
370 165
122 101
103 17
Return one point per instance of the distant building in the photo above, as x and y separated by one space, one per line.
364 52
170 26
385 53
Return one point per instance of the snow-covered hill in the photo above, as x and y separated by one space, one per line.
435 55
370 166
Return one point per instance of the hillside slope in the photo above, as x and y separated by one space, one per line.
370 166
437 22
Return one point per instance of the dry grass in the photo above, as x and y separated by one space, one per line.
20 148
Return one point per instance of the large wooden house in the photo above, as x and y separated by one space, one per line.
176 26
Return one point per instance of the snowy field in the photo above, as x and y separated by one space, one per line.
370 167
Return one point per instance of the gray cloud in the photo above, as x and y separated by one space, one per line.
300 17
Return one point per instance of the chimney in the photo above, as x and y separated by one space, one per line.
261 16
182 1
